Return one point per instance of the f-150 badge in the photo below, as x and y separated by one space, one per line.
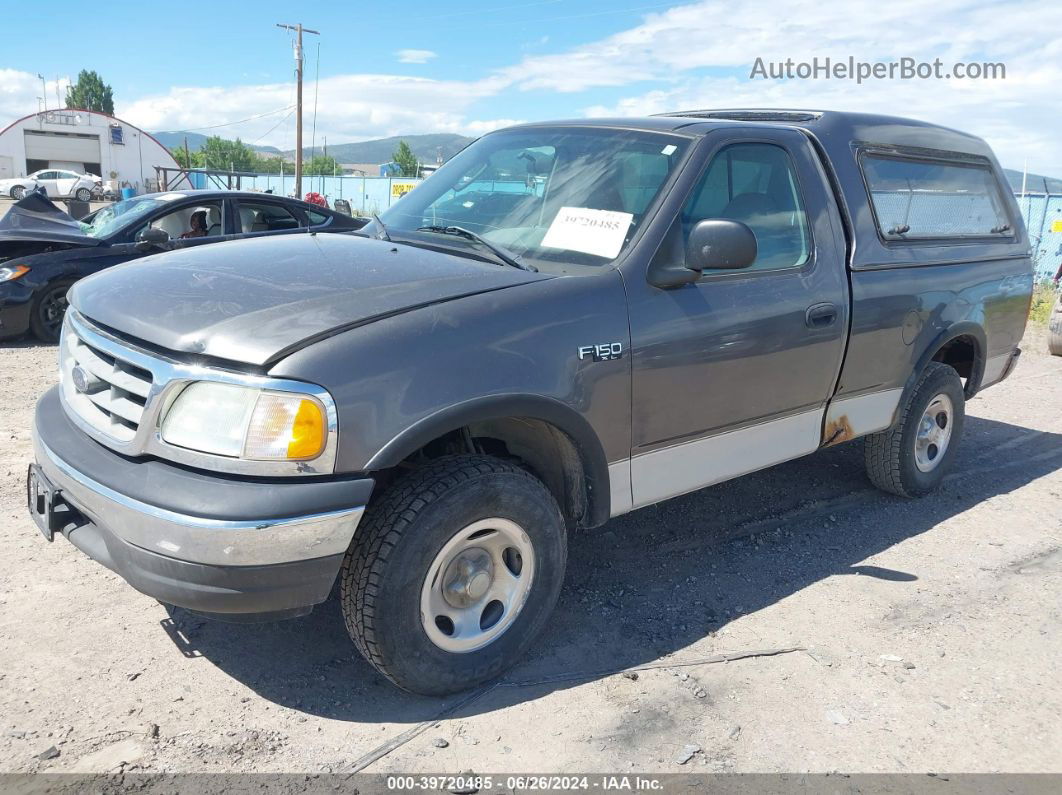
601 352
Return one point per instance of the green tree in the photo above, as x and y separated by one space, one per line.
196 160
90 93
223 155
273 165
406 160
321 164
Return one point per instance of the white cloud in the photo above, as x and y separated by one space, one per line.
415 56
349 107
20 94
693 55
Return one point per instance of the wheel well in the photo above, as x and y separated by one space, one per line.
542 448
961 354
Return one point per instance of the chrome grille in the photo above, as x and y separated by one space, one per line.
117 390
125 390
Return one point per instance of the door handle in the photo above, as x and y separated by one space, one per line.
820 316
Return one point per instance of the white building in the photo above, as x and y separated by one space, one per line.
85 141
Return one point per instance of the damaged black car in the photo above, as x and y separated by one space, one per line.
43 250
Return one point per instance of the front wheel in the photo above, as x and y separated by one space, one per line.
453 573
83 195
48 311
912 457
18 192
1054 329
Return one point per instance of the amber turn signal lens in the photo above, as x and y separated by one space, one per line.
285 427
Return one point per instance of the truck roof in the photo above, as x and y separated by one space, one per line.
832 128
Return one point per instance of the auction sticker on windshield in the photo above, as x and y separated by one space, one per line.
599 232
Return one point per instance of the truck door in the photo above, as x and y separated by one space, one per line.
732 373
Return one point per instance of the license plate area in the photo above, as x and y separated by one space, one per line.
41 499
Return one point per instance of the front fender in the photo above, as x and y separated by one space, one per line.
401 381
496 407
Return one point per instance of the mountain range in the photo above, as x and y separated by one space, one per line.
174 139
427 147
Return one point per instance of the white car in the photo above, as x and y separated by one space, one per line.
58 183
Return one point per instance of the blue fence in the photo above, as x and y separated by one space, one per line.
1043 218
366 195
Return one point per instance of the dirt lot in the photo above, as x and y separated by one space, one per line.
933 633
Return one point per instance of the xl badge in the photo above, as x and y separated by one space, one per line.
602 352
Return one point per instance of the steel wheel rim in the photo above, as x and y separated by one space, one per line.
477 585
934 433
53 308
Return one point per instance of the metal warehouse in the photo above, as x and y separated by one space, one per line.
85 141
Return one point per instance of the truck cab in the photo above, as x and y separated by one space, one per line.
566 322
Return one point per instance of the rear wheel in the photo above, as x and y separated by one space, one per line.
83 195
48 311
1054 329
453 573
18 192
912 457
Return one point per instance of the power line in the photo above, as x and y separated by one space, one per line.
241 121
267 132
316 84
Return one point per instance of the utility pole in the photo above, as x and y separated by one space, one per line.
299 30
187 156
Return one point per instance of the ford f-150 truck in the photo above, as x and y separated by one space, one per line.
566 322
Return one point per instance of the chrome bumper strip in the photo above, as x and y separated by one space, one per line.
200 539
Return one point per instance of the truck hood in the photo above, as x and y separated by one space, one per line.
258 300
35 218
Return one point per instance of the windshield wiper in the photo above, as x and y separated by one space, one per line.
382 233
505 256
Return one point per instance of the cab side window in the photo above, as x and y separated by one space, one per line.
755 184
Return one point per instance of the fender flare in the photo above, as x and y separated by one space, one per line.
953 332
493 407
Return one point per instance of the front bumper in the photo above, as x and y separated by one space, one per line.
15 303
211 543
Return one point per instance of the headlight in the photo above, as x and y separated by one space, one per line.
245 422
8 273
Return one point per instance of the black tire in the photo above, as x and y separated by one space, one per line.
83 195
396 544
47 311
890 455
18 192
1054 329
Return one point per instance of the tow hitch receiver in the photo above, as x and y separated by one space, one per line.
42 499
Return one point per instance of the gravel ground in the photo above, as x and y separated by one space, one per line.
932 631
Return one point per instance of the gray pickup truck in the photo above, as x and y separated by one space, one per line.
567 322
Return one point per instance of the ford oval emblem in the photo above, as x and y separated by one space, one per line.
81 379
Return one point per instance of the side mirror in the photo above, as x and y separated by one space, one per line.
152 238
720 244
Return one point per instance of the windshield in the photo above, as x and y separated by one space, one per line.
557 198
117 216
